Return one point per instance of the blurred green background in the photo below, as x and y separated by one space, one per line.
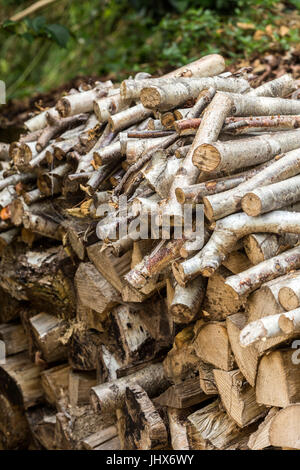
117 38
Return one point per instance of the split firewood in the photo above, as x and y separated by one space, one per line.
246 357
284 428
182 395
238 397
14 338
178 427
207 378
84 348
278 368
181 362
14 431
48 330
139 423
80 384
22 378
55 383
112 267
42 421
100 295
212 345
39 276
260 439
105 439
74 425
212 428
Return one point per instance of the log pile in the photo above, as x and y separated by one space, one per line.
138 338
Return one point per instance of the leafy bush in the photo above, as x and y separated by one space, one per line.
117 37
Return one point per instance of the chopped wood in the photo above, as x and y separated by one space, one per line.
278 368
124 328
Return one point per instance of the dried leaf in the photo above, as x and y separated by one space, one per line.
283 31
246 25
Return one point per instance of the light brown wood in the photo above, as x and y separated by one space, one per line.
183 395
212 345
238 397
280 368
140 425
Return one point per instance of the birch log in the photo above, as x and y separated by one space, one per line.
106 107
40 121
273 196
280 87
187 301
207 66
208 131
82 102
233 154
169 96
128 117
289 294
262 246
244 105
195 193
256 124
227 232
220 205
271 326
249 280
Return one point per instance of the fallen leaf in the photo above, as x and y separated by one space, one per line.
283 31
259 34
246 25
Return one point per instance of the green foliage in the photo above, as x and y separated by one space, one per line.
114 38
30 29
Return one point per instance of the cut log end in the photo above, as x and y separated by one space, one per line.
206 157
63 107
288 298
251 204
286 324
150 97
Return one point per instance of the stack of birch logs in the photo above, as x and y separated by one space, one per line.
109 341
